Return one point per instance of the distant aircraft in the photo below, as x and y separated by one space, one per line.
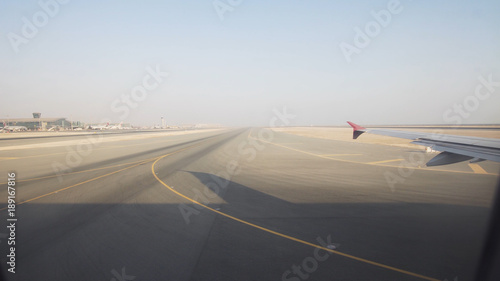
14 128
453 148
117 127
100 127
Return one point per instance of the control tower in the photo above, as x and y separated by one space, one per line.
163 124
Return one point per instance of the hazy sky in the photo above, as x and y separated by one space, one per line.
325 61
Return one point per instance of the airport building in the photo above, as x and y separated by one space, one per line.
37 122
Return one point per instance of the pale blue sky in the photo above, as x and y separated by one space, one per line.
263 54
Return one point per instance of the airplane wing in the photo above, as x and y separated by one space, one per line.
453 148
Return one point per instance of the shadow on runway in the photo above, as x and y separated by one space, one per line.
154 241
416 234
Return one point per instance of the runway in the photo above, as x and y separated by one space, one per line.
239 204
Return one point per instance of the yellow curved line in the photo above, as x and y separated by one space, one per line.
284 235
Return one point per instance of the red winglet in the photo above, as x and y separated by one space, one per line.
357 130
355 126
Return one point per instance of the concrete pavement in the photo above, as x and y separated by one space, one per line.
241 204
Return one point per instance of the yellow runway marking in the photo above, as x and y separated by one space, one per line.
79 172
284 235
99 177
477 169
385 161
74 185
357 162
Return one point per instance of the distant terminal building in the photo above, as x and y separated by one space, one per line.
38 123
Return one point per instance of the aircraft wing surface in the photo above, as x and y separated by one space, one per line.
453 148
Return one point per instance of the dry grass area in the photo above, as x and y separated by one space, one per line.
345 134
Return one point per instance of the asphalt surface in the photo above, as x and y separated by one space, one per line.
239 204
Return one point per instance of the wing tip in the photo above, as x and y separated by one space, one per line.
356 129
